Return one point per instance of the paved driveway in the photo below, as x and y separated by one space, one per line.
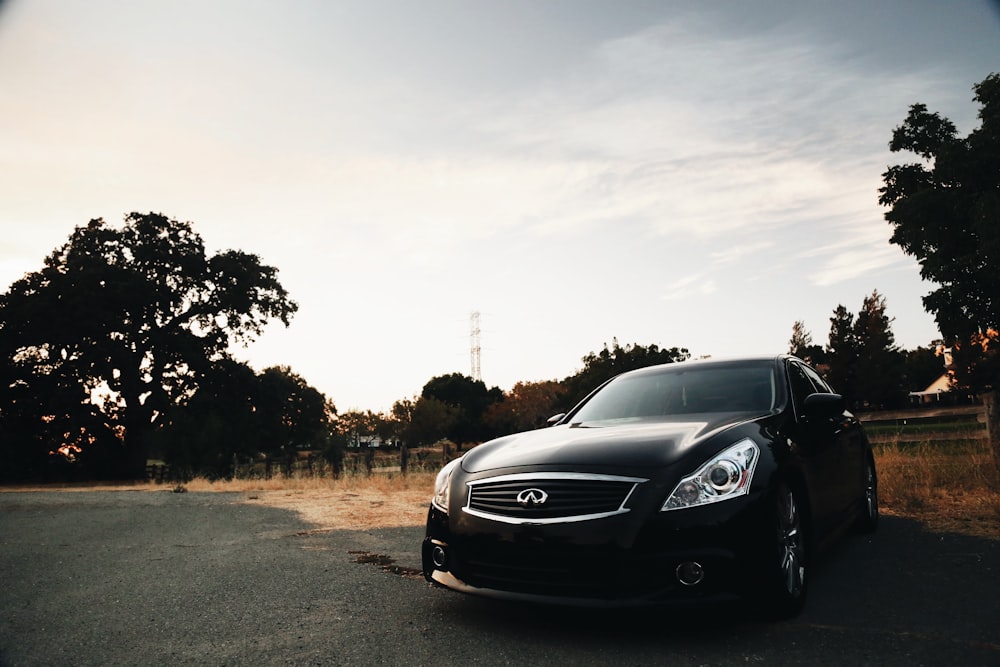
126 578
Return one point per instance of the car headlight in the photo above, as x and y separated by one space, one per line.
442 485
727 475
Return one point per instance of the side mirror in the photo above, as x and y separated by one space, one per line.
555 419
824 405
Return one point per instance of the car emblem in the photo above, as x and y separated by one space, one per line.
532 497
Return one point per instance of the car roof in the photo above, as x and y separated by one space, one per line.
681 366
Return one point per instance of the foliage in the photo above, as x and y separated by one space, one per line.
237 416
217 425
801 345
116 331
601 366
527 406
879 375
291 415
863 361
358 428
944 211
424 420
841 351
467 399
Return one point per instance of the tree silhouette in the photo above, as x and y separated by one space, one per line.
863 362
879 373
468 400
215 428
944 211
528 405
128 319
801 345
599 367
842 352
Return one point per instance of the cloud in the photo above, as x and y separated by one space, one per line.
678 130
858 249
735 253
693 285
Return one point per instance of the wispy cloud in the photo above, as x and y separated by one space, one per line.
735 253
693 285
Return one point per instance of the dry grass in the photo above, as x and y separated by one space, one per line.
353 502
948 489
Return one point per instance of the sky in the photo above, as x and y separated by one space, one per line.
686 174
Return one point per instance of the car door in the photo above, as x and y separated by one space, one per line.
820 440
849 435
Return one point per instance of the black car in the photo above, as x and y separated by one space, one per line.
700 480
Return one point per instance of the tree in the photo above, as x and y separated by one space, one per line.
878 377
291 415
423 420
842 352
944 211
359 427
135 313
801 345
863 362
468 399
215 428
602 366
236 415
528 405
48 426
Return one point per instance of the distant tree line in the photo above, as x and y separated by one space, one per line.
862 361
462 410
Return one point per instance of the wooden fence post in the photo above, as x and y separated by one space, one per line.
991 406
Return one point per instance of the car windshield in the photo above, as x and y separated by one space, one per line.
677 391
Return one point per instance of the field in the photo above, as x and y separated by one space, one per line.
949 486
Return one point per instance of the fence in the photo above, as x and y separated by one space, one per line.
960 422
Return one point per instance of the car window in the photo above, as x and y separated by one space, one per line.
700 389
821 385
800 384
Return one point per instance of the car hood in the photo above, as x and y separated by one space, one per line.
641 443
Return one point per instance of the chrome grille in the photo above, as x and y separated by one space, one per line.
564 497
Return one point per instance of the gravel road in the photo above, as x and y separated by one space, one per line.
141 578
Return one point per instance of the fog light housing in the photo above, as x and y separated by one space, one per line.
438 556
690 573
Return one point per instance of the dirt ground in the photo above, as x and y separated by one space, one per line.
363 509
356 509
354 505
403 503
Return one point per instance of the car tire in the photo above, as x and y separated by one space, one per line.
867 520
787 581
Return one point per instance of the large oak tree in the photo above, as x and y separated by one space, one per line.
133 314
944 210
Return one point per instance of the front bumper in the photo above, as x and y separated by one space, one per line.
537 565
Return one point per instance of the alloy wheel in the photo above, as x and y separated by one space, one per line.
791 544
867 520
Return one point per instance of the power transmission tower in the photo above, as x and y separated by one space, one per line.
475 349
